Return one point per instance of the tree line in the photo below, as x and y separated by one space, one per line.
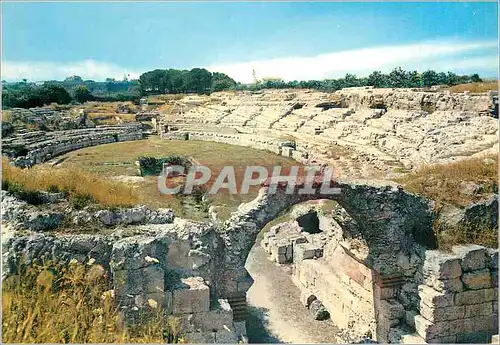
197 80
397 78
30 95
201 81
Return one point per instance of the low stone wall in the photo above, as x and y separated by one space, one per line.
247 140
37 147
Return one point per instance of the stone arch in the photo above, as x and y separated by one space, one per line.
389 220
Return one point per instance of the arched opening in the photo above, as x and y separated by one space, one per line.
351 269
311 290
309 222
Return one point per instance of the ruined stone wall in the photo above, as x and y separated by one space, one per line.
415 99
397 291
458 298
34 148
248 140
169 265
441 297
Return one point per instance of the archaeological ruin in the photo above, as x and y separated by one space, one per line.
371 264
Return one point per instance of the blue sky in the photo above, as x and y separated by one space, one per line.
288 40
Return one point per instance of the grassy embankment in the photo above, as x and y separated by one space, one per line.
442 183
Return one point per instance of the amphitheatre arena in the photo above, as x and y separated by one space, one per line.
383 261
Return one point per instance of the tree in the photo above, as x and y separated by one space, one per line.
475 78
398 78
53 94
377 79
414 79
452 79
73 79
199 80
430 78
82 94
221 81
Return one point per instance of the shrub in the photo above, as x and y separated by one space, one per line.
32 197
442 184
79 201
154 166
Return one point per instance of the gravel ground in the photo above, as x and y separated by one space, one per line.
275 312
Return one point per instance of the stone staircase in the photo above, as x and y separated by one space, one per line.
238 304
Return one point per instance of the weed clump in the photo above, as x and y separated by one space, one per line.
52 303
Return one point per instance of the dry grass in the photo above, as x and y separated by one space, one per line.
467 235
6 115
104 107
475 87
166 97
442 182
118 159
111 118
73 181
46 303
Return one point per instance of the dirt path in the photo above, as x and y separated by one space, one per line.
275 311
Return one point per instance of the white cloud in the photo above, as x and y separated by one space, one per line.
87 69
363 61
442 56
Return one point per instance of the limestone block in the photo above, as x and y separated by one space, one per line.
480 337
287 151
477 279
306 251
136 252
478 309
392 309
429 330
217 319
446 285
200 337
475 296
128 282
153 278
441 265
301 275
411 339
442 314
191 296
431 297
495 339
383 292
473 256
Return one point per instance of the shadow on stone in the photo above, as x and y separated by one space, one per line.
257 326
